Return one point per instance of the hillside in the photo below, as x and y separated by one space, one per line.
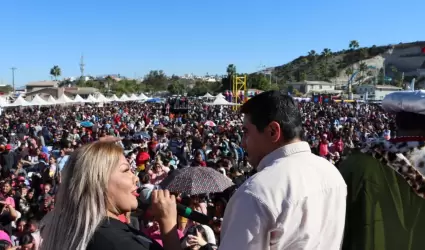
367 64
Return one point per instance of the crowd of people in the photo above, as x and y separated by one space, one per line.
36 143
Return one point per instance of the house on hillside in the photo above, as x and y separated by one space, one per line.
313 86
375 92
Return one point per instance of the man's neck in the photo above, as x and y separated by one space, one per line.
282 144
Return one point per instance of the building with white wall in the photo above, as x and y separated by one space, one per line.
313 86
375 92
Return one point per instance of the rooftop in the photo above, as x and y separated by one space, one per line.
43 84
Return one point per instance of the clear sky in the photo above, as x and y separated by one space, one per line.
131 37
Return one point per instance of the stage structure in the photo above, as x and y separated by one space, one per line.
239 85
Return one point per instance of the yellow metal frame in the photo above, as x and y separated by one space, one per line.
239 84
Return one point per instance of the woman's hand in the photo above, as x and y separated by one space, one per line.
164 208
193 240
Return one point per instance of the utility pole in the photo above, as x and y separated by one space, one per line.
13 78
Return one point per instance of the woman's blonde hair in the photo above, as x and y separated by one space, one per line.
82 200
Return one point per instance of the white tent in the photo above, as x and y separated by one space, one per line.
208 95
3 102
20 101
79 99
124 98
90 98
51 100
114 98
142 97
63 99
102 98
220 95
133 97
38 101
221 102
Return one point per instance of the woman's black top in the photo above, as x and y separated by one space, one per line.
112 234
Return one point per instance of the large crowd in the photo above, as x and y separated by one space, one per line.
36 143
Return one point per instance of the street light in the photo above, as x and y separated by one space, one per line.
13 78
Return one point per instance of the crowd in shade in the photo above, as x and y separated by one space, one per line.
36 143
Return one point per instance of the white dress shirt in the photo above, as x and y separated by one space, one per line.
296 201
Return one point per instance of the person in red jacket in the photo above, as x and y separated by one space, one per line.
142 158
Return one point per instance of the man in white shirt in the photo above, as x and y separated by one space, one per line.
296 200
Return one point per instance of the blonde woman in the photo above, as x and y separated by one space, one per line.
98 186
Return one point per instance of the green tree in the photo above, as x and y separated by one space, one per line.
6 89
326 53
55 71
156 80
176 88
258 81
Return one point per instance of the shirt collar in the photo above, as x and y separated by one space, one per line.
282 152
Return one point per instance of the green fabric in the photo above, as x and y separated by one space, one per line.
382 210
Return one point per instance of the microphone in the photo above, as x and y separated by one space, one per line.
144 201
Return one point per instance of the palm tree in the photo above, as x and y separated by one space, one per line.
231 71
349 72
55 72
354 44
109 82
312 57
362 68
326 53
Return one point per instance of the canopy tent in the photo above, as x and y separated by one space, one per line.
142 97
133 97
20 101
51 100
208 95
114 98
38 101
102 98
154 100
221 102
124 98
79 99
3 102
220 95
91 99
63 99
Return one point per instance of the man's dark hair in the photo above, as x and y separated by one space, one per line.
275 106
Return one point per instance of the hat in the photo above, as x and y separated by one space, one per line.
405 101
4 236
8 147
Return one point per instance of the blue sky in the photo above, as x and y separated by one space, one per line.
131 37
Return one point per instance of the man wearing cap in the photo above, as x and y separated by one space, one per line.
385 182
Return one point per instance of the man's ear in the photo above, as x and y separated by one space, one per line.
274 131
